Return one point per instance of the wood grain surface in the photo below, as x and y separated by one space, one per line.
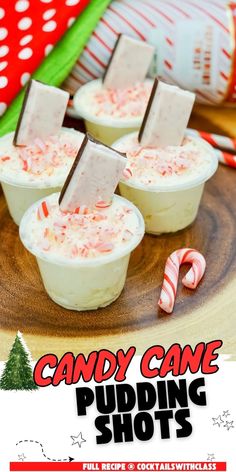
205 314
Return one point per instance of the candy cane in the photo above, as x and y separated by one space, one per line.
127 173
43 211
101 204
82 210
224 147
171 274
226 158
216 140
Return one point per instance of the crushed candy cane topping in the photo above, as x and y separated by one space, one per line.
42 156
40 161
153 166
126 103
82 234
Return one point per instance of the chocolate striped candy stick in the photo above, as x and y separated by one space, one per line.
42 113
129 62
94 176
167 115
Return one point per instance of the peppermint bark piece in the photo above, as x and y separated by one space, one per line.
167 115
94 176
129 62
42 113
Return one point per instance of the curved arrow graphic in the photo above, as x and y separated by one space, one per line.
68 459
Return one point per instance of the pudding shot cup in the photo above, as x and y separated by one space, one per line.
167 183
83 266
28 173
111 113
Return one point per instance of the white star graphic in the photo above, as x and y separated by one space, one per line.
228 425
226 413
21 457
211 457
78 440
217 420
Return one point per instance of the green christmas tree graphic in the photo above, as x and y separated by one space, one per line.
17 374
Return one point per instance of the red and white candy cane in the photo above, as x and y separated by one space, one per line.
171 275
216 140
224 147
226 158
43 211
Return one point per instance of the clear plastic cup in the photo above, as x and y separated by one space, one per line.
20 198
167 209
83 284
105 129
21 195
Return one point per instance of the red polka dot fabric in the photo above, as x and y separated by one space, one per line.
29 29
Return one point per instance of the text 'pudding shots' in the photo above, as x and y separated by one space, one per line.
35 160
115 105
83 237
166 172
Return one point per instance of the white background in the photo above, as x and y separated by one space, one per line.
49 416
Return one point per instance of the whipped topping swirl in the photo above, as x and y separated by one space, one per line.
43 162
83 234
126 104
161 167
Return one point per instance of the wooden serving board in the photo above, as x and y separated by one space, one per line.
202 315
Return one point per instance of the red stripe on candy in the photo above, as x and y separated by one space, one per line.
167 278
208 137
186 254
230 159
45 209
